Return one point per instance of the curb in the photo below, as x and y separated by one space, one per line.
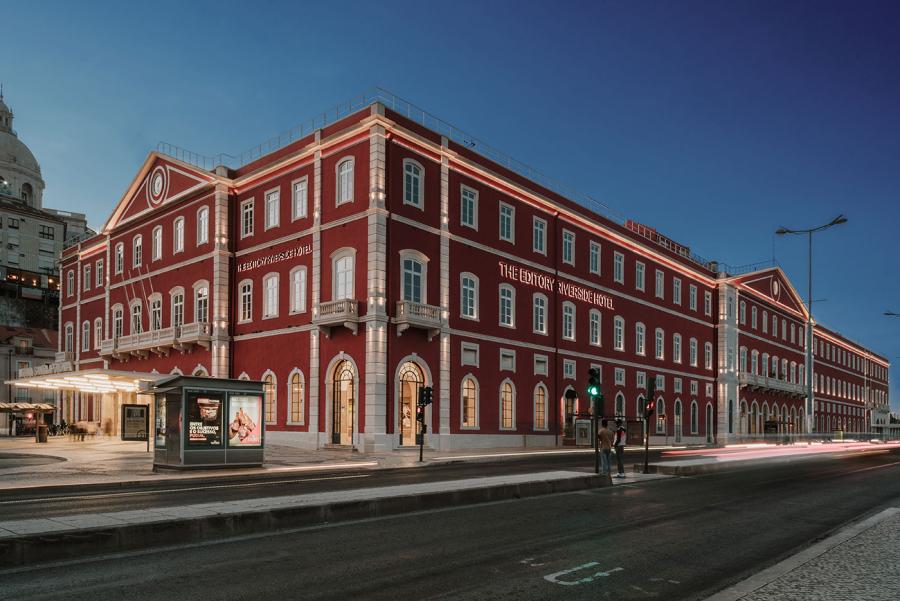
27 550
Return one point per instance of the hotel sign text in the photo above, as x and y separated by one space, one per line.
550 284
292 253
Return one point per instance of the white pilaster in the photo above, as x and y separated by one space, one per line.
445 396
314 360
377 312
728 365
220 288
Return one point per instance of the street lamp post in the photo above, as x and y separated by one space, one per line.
809 320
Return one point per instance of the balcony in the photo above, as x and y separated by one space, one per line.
761 382
338 313
158 342
65 356
418 315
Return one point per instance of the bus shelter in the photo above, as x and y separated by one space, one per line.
32 412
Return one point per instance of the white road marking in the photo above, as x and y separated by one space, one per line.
554 578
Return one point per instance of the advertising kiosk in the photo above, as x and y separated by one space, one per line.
207 422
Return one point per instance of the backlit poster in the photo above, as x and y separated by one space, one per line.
134 422
204 416
245 421
160 422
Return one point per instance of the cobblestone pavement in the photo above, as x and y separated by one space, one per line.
860 562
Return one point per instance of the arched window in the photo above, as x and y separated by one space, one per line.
296 412
743 360
568 320
784 369
298 289
200 372
201 304
70 283
177 295
202 225
85 336
120 257
136 317
118 322
70 338
539 319
270 295
640 335
639 405
178 235
156 244
660 416
594 327
271 396
676 348
507 298
246 300
344 181
694 417
468 295
156 311
708 355
620 405
27 192
765 322
342 269
507 405
743 310
540 407
137 251
754 362
413 176
618 333
660 344
469 403
692 352
98 332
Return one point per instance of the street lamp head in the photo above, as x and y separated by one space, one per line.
782 231
838 220
891 314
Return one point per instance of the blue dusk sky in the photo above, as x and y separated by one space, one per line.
716 122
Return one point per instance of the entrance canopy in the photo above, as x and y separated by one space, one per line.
27 408
96 381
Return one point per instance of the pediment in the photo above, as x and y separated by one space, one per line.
159 182
774 286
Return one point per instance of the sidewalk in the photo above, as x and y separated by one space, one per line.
860 562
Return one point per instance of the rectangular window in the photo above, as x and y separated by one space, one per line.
507 360
660 284
202 226
569 369
541 365
707 303
676 348
619 268
540 315
620 376
298 290
86 278
247 218
468 213
709 390
660 382
568 247
676 385
46 232
694 387
753 317
201 305
507 218
120 258
638 276
156 314
469 354
641 379
101 277
692 297
246 301
179 235
300 199
270 296
137 248
539 239
98 332
469 300
273 204
178 310
595 258
676 291
568 321
595 328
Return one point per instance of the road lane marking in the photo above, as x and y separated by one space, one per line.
554 577
189 489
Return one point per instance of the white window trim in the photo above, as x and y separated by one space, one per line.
617 320
337 180
173 293
599 315
540 385
86 340
421 204
546 329
512 222
296 215
156 243
137 242
156 296
262 378
659 334
266 225
512 308
462 388
599 248
204 238
422 259
563 240
676 291
640 283
470 347
99 272
474 277
569 374
119 258
175 246
640 327
244 204
289 400
508 353
568 305
500 405
98 332
240 301
346 251
474 224
541 359
265 291
293 303
660 284
534 222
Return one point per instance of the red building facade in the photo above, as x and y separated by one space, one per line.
375 256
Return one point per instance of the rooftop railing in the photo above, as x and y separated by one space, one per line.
426 119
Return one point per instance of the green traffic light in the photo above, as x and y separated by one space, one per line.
593 390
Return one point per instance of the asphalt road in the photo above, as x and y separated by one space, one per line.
16 505
672 539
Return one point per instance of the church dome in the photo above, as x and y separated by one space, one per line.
14 152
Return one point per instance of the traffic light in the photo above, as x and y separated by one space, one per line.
425 396
593 388
650 404
420 414
649 408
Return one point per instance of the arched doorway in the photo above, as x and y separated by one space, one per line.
709 419
410 379
343 398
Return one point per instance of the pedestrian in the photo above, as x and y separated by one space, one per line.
620 448
605 437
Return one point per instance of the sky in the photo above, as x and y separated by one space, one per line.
716 122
